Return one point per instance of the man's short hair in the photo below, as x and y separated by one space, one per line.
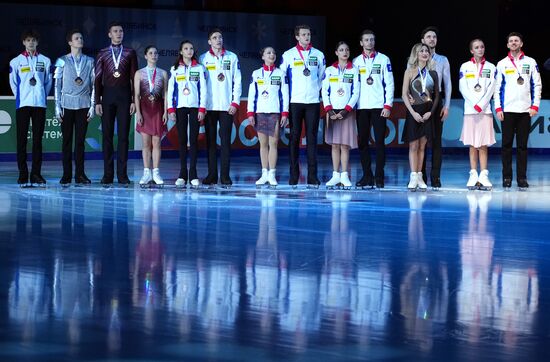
428 29
30 33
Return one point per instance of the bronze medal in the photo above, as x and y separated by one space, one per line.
307 72
78 81
341 92
265 94
370 81
521 80
186 91
152 97
32 81
477 88
221 77
116 74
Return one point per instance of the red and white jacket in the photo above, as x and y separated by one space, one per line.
510 96
268 91
379 94
223 78
303 88
340 87
481 77
191 77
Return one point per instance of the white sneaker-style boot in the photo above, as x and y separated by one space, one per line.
484 180
156 177
420 182
345 181
472 181
413 182
334 181
146 178
262 180
195 183
180 183
271 178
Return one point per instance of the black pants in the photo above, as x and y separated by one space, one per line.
74 120
519 125
310 114
226 124
186 116
23 118
116 104
437 129
365 119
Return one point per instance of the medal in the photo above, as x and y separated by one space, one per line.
265 94
425 97
116 61
152 97
307 72
477 88
34 59
521 80
221 77
78 70
370 80
341 92
186 91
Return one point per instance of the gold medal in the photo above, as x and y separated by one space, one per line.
152 97
116 74
186 91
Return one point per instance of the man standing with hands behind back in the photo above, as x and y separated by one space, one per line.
517 98
304 66
443 69
30 82
114 71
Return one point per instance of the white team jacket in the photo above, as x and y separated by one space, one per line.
340 88
303 89
472 74
22 69
511 96
223 80
194 79
379 94
268 91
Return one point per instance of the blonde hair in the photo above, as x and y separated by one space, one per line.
412 62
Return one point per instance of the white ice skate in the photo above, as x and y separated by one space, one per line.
262 180
157 179
472 181
345 181
484 183
413 182
420 182
271 178
334 181
145 179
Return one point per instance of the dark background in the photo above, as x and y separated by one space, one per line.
397 26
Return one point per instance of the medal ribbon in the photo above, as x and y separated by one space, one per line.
151 81
116 60
301 56
371 63
423 78
77 66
